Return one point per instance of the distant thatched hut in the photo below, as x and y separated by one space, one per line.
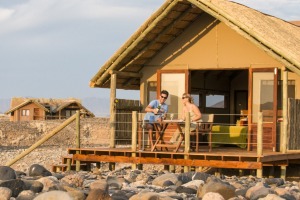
25 109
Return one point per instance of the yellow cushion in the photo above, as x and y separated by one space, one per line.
236 135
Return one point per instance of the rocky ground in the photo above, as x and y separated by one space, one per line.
124 183
46 156
150 184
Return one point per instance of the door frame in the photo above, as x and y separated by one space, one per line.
250 103
187 79
174 98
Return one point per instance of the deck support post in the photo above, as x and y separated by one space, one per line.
259 142
218 173
113 87
283 145
283 172
172 168
241 172
187 134
77 138
134 137
259 173
68 164
272 171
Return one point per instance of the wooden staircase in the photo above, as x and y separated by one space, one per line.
64 165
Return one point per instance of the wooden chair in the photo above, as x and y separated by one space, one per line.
204 127
244 114
243 121
143 142
143 131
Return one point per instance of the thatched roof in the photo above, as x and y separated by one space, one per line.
297 23
48 105
278 38
68 103
26 102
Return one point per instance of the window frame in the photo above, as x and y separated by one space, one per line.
25 112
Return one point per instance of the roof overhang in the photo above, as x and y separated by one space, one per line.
172 18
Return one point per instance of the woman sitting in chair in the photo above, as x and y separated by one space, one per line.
189 106
195 114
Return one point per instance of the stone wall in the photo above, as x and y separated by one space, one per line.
94 133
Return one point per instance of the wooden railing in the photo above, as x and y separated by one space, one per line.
51 134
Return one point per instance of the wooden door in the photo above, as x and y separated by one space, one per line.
176 82
240 103
263 98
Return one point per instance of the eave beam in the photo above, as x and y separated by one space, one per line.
126 74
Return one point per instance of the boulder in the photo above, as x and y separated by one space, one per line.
5 193
7 173
212 196
16 186
216 186
38 170
98 194
160 180
57 195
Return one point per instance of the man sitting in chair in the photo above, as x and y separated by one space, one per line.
156 111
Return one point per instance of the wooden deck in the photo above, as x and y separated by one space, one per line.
225 157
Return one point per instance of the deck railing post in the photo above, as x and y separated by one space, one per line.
113 91
134 137
77 138
113 85
187 138
259 142
141 133
284 112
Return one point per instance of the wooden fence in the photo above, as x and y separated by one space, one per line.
294 124
123 112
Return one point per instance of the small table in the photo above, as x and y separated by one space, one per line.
160 130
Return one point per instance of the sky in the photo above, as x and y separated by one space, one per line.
52 48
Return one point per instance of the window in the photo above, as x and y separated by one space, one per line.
152 85
215 101
25 112
196 99
36 111
291 91
210 99
69 113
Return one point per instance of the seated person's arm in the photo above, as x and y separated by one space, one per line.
197 113
150 109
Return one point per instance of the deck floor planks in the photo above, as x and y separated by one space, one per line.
226 157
